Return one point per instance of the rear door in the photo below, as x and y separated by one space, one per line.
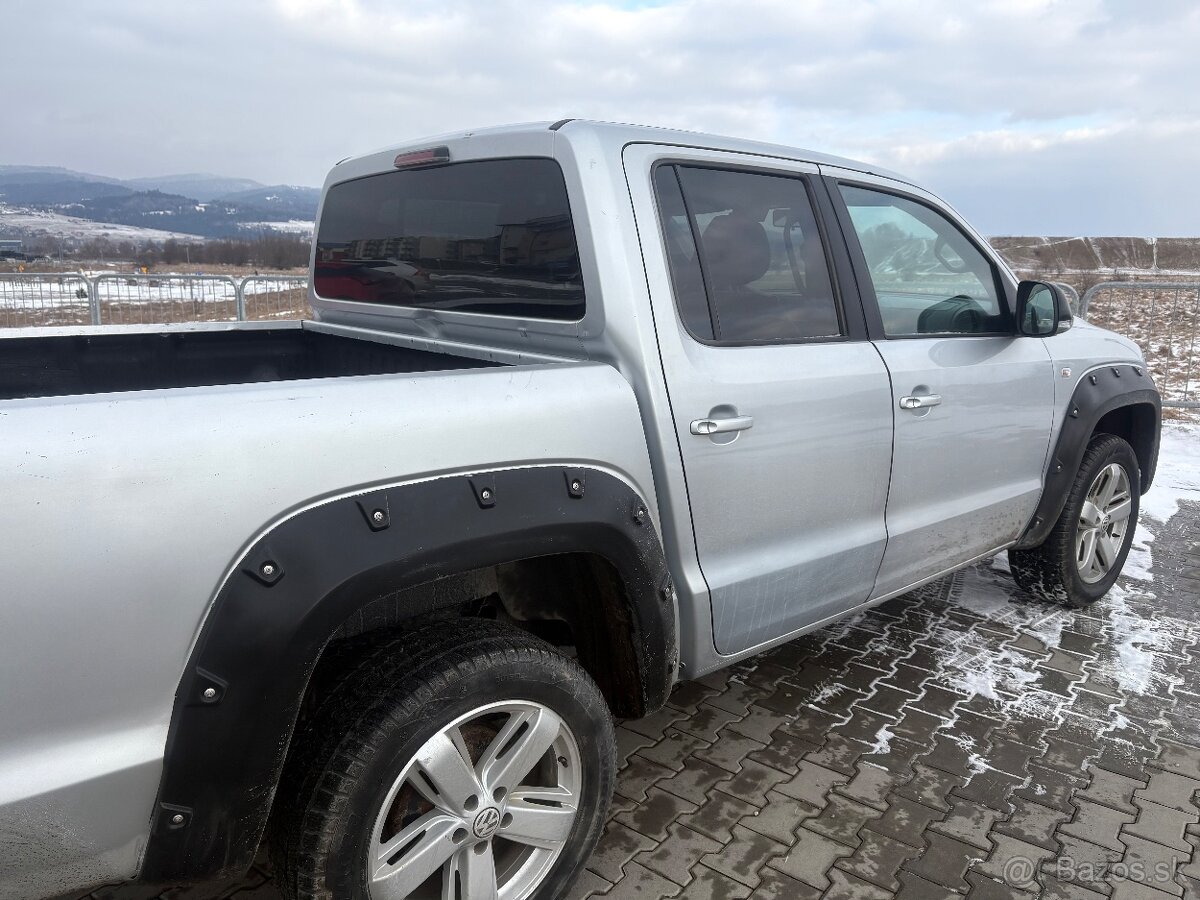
781 406
973 401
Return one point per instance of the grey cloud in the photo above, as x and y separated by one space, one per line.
279 91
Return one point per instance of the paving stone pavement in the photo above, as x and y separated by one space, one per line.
957 741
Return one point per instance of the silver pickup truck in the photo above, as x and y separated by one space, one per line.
584 410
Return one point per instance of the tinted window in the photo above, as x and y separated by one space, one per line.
682 257
765 275
928 276
493 236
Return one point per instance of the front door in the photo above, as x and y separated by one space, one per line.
781 405
973 401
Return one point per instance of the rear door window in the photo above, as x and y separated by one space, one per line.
490 236
747 259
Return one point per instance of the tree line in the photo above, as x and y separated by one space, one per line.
266 251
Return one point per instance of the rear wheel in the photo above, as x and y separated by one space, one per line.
1083 555
468 761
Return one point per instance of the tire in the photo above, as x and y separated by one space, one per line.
389 740
1059 569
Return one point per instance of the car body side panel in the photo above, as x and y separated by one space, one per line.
123 513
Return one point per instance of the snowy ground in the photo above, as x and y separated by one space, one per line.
36 223
1139 653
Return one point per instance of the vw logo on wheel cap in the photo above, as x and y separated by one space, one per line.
486 823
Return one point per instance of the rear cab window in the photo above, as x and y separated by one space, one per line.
489 236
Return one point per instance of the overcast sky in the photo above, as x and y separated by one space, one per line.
1031 116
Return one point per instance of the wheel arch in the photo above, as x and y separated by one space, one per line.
1115 399
376 560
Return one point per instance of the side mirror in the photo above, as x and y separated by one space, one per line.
1042 309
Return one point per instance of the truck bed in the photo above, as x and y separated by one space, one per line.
72 364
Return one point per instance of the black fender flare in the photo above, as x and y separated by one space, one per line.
238 701
1098 393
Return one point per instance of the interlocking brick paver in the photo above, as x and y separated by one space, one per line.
753 782
1050 787
717 816
672 751
785 752
1034 823
678 854
654 815
1170 789
872 785
812 783
1098 824
914 887
618 845
730 750
810 858
1150 864
1180 759
1082 863
774 885
780 818
945 862
1065 890
1015 863
656 724
640 883
841 820
697 780
744 856
589 884
759 723
709 884
878 859
931 787
1162 824
638 777
1112 789
706 722
970 823
906 821
844 886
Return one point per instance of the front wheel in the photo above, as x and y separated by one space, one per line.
1083 555
459 763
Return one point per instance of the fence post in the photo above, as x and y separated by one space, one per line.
240 293
93 297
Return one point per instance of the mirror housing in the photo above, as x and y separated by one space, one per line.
1042 309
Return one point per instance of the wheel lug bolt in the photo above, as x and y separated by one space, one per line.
460 835
472 804
499 794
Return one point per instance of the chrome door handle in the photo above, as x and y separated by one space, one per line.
722 426
921 402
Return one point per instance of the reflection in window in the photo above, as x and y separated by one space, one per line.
760 275
492 236
928 277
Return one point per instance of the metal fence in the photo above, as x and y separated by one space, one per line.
38 299
1164 318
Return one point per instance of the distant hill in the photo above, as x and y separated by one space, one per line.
1050 255
201 187
203 205
284 200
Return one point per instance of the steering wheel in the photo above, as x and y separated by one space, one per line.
939 250
968 319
